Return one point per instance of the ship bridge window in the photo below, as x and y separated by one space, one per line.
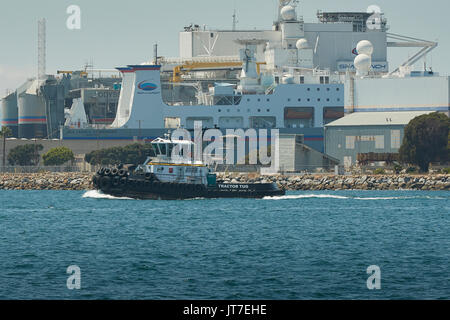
324 80
263 122
299 117
231 122
172 123
331 114
207 122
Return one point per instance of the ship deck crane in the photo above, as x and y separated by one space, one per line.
206 66
409 42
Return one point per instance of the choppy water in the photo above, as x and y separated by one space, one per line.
306 245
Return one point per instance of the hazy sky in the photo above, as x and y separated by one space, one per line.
116 33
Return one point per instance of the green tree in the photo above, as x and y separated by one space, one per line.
26 155
426 140
5 133
130 154
58 156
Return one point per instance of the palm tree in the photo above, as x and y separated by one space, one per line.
5 133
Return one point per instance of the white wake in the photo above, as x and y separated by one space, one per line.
306 196
328 196
95 194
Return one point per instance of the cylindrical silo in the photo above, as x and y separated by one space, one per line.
10 113
32 115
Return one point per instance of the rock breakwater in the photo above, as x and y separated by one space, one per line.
83 181
46 181
363 182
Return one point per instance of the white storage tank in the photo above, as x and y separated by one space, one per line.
10 113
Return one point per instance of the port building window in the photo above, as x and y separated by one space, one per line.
379 142
395 139
350 142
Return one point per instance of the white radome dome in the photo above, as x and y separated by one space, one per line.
365 47
363 62
302 44
288 13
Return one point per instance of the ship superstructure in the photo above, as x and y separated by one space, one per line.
295 76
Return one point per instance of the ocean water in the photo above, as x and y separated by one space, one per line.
306 245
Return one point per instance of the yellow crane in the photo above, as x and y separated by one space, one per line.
83 73
191 66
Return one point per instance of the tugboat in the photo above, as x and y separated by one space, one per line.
165 177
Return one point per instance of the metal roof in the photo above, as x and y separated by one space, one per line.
377 118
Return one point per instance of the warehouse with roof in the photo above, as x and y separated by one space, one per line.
366 132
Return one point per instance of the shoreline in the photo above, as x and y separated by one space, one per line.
311 182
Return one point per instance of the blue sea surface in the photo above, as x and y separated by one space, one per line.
306 245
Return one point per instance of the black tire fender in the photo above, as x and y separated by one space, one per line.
122 173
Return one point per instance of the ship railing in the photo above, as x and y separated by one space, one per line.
270 89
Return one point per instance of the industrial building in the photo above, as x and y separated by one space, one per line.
296 156
39 108
408 91
366 132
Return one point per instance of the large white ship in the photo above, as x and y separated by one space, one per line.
296 77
